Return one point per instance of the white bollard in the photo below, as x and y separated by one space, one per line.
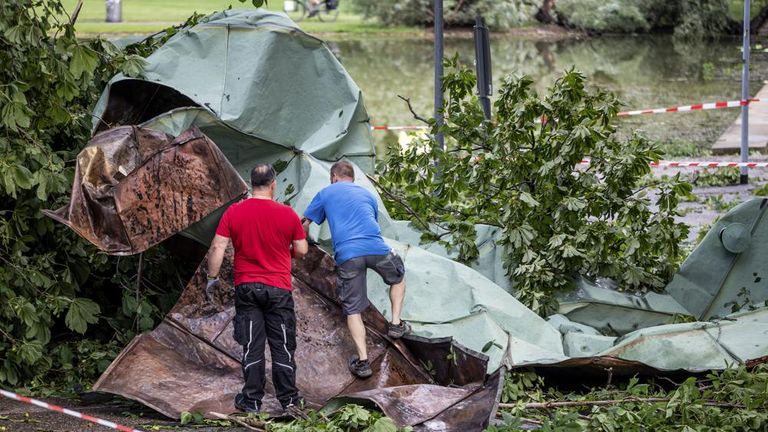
114 11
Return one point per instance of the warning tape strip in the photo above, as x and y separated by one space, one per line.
66 411
700 164
673 109
396 128
694 107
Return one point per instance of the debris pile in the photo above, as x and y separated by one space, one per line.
169 154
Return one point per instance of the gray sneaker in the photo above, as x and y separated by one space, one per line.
360 368
246 407
399 330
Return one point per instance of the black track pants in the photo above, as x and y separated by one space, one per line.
265 312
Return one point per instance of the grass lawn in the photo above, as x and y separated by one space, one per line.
148 16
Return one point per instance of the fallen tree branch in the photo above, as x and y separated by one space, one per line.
562 404
407 208
410 108
526 420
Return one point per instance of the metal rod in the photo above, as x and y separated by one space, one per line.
438 9
744 178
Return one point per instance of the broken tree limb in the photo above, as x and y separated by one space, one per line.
563 404
237 420
410 108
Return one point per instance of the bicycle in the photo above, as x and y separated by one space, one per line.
325 10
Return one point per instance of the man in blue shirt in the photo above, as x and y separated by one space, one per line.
352 214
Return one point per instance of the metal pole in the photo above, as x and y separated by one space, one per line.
744 178
438 9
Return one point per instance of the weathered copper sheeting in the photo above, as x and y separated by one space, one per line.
190 362
136 187
465 415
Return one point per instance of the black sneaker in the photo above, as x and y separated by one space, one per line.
360 368
396 331
246 407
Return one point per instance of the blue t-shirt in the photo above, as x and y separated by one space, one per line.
352 213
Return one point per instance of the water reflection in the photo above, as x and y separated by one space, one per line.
644 71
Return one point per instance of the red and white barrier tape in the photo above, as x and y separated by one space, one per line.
673 109
66 411
397 128
694 107
700 164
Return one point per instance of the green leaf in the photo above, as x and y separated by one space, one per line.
133 66
30 351
84 61
82 311
42 183
27 313
384 424
186 418
23 177
15 34
528 199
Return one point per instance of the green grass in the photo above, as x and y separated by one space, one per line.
736 8
149 16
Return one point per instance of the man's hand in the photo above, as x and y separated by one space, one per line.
210 288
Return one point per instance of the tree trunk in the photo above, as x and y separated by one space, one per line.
544 13
758 22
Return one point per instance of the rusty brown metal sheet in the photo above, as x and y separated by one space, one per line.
465 415
135 187
190 362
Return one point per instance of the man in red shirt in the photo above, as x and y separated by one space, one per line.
265 234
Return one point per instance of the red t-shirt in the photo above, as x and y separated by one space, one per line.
261 231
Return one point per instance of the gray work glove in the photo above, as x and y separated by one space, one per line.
210 288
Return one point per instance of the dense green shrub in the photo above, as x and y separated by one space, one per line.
702 18
688 18
728 400
457 13
614 16
53 285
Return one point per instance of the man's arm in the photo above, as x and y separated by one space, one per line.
305 222
216 255
299 248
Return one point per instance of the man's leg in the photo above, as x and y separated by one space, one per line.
357 330
351 289
281 335
250 333
396 296
392 270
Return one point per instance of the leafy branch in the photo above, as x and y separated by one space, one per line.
557 219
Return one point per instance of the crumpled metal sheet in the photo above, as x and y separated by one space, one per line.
190 362
135 187
727 271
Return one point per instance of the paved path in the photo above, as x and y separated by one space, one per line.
730 141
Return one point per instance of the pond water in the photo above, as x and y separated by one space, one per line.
643 71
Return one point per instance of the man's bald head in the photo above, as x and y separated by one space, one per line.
343 170
262 176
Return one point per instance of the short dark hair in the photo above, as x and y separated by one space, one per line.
343 168
262 175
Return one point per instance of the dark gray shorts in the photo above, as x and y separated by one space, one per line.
351 285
